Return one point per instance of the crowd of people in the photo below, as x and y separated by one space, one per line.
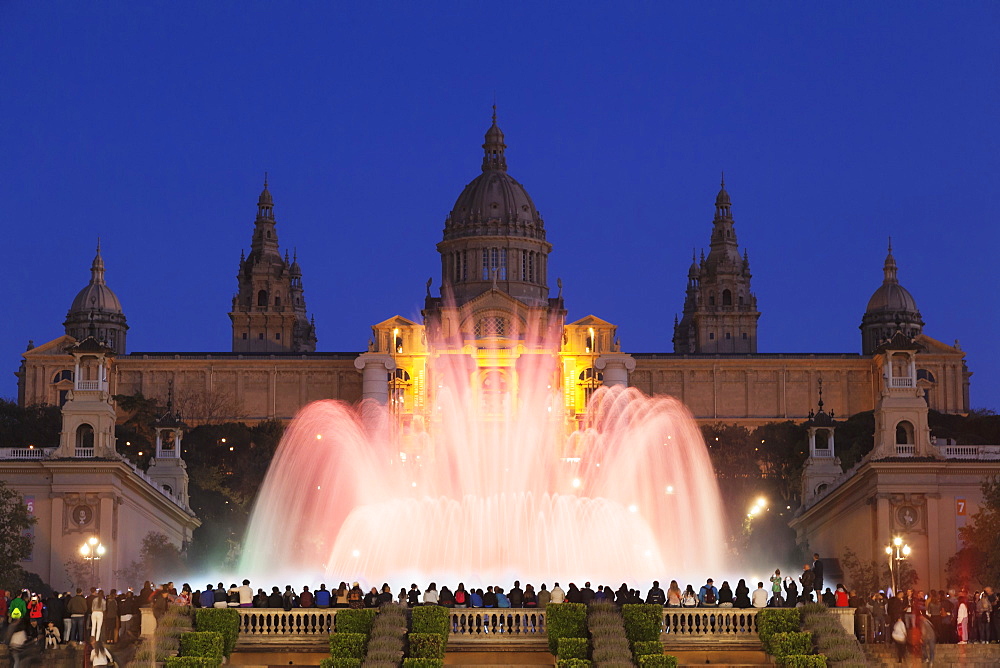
912 620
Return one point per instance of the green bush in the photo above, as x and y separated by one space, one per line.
430 619
339 662
426 646
776 620
565 620
647 647
348 645
221 620
802 661
349 620
202 643
572 663
787 644
572 648
423 663
192 662
642 621
657 661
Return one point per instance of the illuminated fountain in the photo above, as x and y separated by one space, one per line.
490 489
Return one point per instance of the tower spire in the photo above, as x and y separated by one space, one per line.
97 267
494 159
889 269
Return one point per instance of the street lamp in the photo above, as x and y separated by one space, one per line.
92 551
897 551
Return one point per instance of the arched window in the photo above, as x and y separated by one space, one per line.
904 433
262 298
823 439
277 300
65 374
924 374
727 298
85 436
491 327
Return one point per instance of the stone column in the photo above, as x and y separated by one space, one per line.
616 368
374 382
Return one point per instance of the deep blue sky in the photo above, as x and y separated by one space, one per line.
151 124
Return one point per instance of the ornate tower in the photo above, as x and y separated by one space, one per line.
822 467
269 309
88 416
890 308
720 311
494 235
97 312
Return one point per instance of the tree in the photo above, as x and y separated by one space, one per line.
15 539
159 560
979 560
37 425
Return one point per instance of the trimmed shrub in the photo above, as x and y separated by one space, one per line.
340 663
572 663
192 662
802 661
572 648
426 646
647 648
430 619
787 644
221 620
565 620
776 620
423 663
202 643
657 661
348 645
349 620
642 621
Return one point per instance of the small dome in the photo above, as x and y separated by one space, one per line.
891 297
265 198
96 296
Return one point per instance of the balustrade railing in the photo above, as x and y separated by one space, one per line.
86 385
269 623
497 624
84 453
710 623
900 382
25 453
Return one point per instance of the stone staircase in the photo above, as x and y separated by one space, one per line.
946 656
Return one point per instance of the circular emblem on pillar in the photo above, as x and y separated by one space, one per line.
82 515
907 516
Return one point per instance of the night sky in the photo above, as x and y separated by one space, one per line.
151 125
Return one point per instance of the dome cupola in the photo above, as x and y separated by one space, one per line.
890 308
96 311
494 233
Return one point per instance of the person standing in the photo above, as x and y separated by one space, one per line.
817 571
516 595
806 580
962 621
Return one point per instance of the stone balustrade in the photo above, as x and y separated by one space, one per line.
495 624
713 624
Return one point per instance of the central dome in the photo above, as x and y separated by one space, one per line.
494 203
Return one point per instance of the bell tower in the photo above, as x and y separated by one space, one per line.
720 310
88 416
269 307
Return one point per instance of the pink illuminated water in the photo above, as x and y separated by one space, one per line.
490 489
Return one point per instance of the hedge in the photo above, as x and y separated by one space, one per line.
192 662
565 620
647 647
802 661
340 663
221 620
657 661
572 648
795 642
776 620
423 663
351 620
201 643
426 646
572 663
348 645
642 621
430 619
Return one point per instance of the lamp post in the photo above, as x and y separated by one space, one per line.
92 551
897 551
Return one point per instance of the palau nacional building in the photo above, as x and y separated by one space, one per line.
495 307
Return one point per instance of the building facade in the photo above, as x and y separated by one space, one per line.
495 296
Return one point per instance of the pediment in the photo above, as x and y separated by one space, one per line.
493 299
396 321
935 347
590 321
53 347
